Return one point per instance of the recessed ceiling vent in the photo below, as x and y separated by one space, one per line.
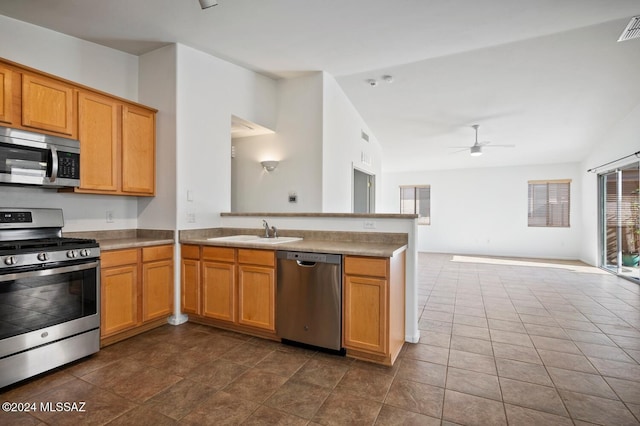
632 30
364 136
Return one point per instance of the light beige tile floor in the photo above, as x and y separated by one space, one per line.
502 342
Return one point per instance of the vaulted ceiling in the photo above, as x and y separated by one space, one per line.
546 76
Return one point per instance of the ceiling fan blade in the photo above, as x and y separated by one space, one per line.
459 150
500 146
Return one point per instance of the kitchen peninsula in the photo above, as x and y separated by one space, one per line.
379 306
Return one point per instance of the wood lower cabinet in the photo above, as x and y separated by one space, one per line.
119 291
257 289
373 307
230 287
157 282
190 280
219 299
49 104
136 291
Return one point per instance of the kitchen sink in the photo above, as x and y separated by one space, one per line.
255 239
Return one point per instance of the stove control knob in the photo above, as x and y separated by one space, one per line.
72 254
85 252
42 257
10 260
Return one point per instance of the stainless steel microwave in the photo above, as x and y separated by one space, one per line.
29 158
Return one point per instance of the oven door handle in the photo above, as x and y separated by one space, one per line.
50 271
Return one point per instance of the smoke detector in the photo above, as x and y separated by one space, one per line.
632 30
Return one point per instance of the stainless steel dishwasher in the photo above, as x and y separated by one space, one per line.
309 299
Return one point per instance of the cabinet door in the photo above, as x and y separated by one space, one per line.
157 289
119 289
48 104
190 286
256 297
6 95
218 290
99 142
365 314
138 150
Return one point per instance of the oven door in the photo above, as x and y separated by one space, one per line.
41 306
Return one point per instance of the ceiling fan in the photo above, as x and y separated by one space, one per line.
476 149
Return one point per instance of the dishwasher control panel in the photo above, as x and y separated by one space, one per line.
309 257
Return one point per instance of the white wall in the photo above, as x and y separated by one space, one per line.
622 140
89 64
343 147
318 143
209 91
297 144
158 88
68 57
484 211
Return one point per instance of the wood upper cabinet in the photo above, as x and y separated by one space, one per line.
117 137
157 282
117 141
6 95
138 150
256 288
118 291
99 134
373 307
219 283
190 280
48 104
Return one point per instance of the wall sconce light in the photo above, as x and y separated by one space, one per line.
269 165
206 4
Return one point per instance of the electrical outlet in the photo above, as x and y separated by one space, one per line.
109 216
191 217
369 224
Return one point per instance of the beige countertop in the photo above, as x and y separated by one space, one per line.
352 243
127 238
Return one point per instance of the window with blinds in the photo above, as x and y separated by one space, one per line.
549 203
416 200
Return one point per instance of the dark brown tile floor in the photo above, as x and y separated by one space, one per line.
502 343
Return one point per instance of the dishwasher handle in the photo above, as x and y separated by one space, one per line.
305 263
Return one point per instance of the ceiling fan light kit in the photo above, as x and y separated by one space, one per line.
475 150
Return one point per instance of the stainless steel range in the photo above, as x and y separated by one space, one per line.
49 294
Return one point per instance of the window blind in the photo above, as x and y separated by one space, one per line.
549 203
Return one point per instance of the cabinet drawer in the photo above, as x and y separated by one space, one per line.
257 257
190 252
157 253
222 254
368 266
118 257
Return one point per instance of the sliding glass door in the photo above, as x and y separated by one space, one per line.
620 220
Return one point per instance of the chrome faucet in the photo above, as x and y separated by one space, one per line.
273 229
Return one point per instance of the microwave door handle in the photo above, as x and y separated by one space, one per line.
54 163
